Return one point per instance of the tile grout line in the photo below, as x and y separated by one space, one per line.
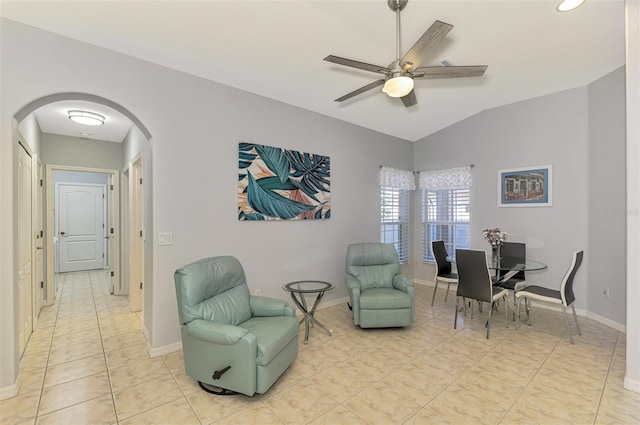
55 323
104 354
606 378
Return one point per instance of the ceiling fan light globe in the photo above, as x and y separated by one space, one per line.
398 86
567 5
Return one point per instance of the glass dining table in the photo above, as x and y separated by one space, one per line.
510 265
506 263
513 265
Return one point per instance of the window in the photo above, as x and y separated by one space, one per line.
394 220
445 216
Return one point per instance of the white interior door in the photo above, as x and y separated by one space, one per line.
81 226
25 248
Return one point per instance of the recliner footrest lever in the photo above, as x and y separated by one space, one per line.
218 373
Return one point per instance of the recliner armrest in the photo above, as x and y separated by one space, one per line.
219 333
352 283
268 307
401 283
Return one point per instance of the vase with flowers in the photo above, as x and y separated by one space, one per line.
495 237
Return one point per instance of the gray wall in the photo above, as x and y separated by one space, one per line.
76 151
553 129
30 130
607 197
195 127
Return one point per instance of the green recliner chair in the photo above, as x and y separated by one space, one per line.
380 296
231 340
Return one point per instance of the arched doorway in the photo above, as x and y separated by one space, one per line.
137 149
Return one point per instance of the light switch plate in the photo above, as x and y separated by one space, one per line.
165 238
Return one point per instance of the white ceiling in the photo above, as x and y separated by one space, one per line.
275 49
54 119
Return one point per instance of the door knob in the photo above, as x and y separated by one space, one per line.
62 233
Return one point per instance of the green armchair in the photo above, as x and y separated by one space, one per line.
232 341
380 296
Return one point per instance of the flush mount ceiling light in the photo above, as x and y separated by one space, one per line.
86 118
567 5
399 86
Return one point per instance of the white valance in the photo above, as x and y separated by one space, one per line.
397 179
450 178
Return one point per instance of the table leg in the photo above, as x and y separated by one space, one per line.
308 314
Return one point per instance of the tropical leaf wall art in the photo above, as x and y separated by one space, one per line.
280 184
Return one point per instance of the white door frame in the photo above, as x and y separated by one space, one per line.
26 251
114 222
135 226
38 250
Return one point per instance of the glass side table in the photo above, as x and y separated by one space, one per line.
298 290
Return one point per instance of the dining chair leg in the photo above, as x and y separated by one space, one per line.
489 319
575 317
435 288
506 311
455 318
446 294
517 313
566 320
526 307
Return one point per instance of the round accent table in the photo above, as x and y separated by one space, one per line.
298 290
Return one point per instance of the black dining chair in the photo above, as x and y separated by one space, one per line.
563 297
443 269
512 254
474 282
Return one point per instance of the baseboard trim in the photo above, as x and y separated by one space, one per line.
583 313
333 303
11 391
427 283
631 385
177 346
608 322
145 332
165 349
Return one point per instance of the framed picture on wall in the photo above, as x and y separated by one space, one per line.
282 184
525 187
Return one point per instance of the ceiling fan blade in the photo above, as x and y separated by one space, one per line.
419 51
433 72
410 99
356 64
368 87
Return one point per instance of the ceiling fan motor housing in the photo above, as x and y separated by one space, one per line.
397 4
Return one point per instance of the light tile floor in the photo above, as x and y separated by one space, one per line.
87 364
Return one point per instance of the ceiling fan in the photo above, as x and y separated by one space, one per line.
399 75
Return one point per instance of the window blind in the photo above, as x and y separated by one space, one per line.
445 216
394 220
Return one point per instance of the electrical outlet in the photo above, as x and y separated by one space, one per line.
606 293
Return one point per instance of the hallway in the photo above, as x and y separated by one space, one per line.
75 367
